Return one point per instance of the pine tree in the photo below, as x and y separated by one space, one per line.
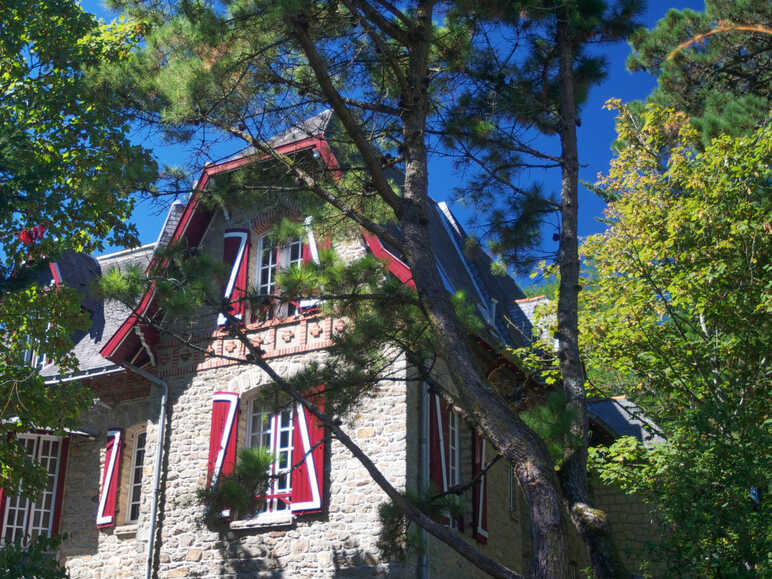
387 73
713 65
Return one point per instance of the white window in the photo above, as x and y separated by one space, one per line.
271 258
135 480
454 456
274 432
513 494
24 520
454 450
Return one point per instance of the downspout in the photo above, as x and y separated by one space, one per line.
158 455
423 472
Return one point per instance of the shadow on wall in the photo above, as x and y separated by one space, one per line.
240 561
361 563
236 560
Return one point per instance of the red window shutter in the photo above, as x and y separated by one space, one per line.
308 455
109 491
222 435
57 516
479 491
307 253
236 255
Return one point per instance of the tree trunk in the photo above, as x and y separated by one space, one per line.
591 523
508 433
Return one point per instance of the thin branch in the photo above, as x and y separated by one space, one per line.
384 24
370 156
461 488
723 27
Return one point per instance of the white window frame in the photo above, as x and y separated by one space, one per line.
280 258
134 491
513 495
277 505
454 449
454 455
283 260
18 502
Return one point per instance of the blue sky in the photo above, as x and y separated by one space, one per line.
595 135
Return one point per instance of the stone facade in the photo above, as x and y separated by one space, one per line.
343 537
389 425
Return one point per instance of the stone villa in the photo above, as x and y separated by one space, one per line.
169 419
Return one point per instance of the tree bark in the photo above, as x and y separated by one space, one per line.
591 523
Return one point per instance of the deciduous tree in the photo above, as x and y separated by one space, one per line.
678 302
67 172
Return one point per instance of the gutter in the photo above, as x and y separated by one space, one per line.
82 375
158 456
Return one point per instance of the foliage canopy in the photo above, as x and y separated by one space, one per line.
678 304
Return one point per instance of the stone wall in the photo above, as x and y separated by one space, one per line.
340 541
114 552
633 525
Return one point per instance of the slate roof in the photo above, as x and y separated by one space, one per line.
315 126
172 219
81 271
622 417
468 268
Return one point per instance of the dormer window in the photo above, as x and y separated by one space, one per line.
273 257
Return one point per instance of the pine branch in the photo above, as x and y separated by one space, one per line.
310 181
442 532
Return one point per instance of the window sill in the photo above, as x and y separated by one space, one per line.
277 519
126 531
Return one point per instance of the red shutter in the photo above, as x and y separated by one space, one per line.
57 516
236 255
109 491
222 436
308 450
438 447
479 491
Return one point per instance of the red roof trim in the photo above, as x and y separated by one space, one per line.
394 264
111 347
55 273
191 226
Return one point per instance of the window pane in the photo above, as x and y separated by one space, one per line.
274 432
137 467
23 519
